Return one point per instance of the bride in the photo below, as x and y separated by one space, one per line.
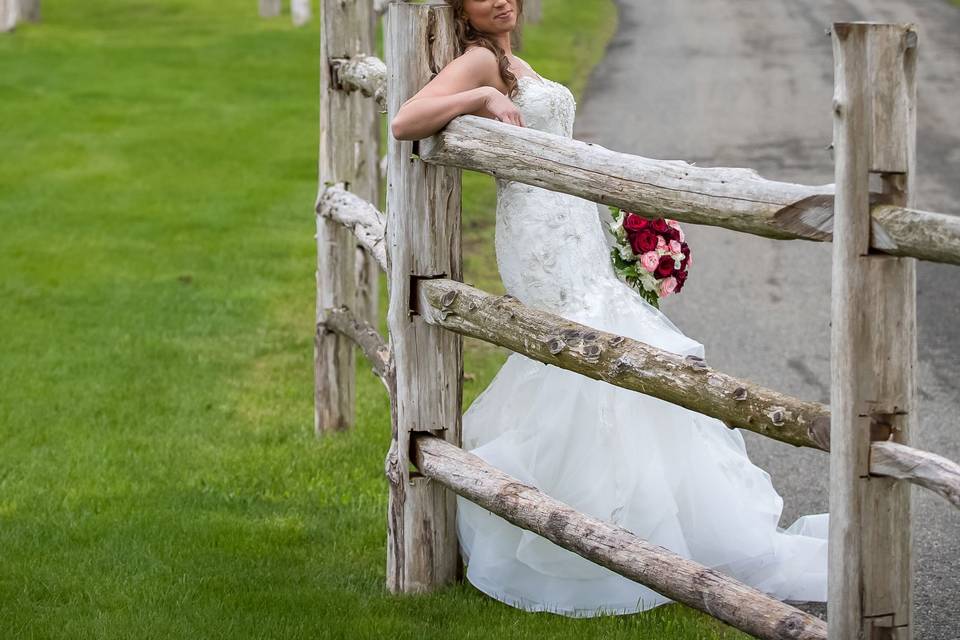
670 475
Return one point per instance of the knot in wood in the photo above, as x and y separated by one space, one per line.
910 40
616 341
715 381
740 393
696 362
569 334
590 336
592 352
447 299
555 345
473 306
776 416
620 365
792 626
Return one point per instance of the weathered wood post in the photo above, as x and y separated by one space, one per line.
9 14
30 10
349 141
300 14
873 334
270 8
532 11
423 241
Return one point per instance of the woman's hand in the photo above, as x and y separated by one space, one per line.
503 109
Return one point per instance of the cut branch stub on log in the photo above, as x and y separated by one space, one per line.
936 473
738 199
344 322
366 74
624 362
612 546
358 215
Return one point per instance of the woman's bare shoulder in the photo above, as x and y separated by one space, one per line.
479 64
478 59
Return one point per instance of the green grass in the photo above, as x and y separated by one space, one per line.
159 477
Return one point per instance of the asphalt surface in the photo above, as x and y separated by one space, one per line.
749 84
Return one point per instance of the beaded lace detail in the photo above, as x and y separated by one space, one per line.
551 248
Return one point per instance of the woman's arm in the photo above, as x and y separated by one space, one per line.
463 86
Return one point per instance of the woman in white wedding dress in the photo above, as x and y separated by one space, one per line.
670 475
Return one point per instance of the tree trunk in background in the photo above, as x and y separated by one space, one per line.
300 12
269 8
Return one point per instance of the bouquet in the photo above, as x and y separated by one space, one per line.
650 255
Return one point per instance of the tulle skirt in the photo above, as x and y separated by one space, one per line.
672 476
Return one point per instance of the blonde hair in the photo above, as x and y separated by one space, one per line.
468 36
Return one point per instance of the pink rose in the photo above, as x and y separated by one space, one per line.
661 243
668 286
676 225
650 260
675 247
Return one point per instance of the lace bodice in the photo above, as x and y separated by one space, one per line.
551 247
546 105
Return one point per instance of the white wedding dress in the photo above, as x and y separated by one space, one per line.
672 476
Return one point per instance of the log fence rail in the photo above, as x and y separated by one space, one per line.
877 238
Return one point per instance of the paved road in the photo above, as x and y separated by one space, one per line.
734 83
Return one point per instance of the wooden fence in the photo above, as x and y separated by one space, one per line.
877 238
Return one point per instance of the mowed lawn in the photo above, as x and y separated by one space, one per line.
159 475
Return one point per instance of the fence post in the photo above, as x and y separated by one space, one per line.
30 10
423 241
533 11
873 334
270 8
349 141
300 14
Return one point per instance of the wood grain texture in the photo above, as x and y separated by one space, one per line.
925 469
873 336
623 362
366 222
738 199
612 546
378 354
423 241
349 140
494 319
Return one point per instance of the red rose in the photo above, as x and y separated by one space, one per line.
681 277
659 225
665 267
673 234
643 241
685 250
634 223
